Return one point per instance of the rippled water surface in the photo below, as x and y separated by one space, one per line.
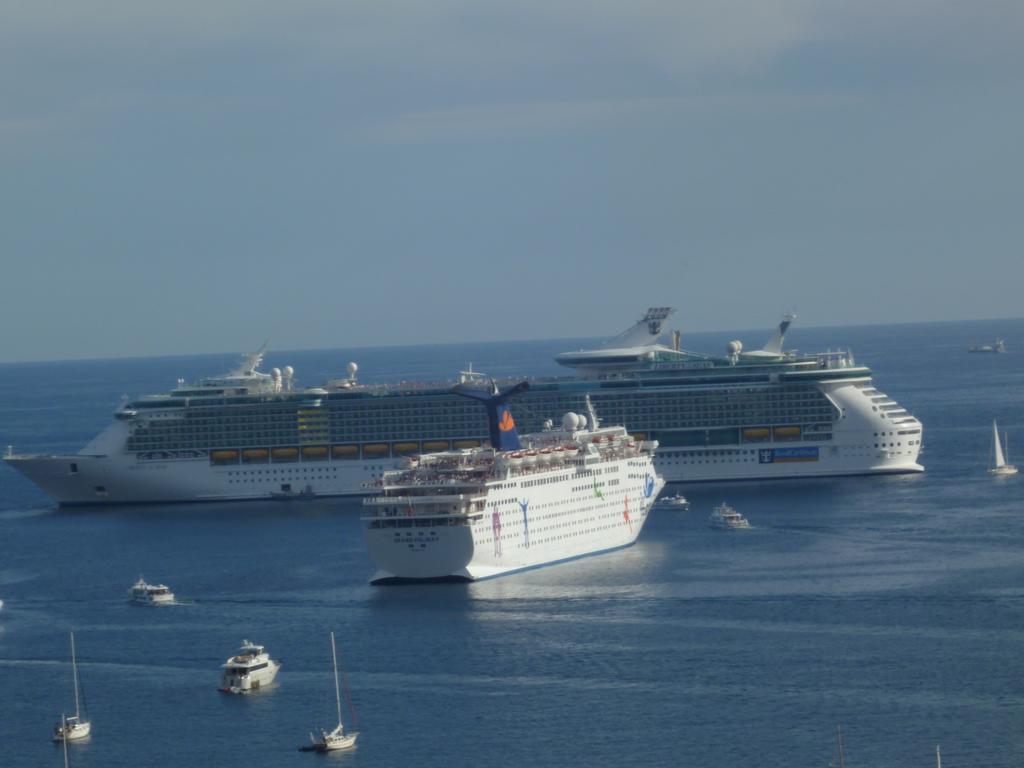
894 606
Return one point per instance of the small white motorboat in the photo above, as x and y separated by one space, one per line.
727 518
150 594
336 739
249 669
75 727
675 502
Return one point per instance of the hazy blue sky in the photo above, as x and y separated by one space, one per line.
199 176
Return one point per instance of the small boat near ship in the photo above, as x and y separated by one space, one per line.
727 518
674 502
249 669
337 739
1000 461
143 593
75 727
287 494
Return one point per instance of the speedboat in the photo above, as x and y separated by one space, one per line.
676 502
249 669
727 518
150 594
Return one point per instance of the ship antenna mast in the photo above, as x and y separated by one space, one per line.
594 424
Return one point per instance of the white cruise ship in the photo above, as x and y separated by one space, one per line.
478 513
746 415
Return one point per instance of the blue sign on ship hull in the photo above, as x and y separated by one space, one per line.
777 455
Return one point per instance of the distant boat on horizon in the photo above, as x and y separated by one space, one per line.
995 347
1000 465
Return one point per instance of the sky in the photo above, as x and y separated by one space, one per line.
195 177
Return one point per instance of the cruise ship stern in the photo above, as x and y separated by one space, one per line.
437 553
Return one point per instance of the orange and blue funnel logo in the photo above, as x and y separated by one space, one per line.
501 427
506 422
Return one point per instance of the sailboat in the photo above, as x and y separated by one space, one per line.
336 739
1001 466
74 727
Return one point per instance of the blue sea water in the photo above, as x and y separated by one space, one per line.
893 606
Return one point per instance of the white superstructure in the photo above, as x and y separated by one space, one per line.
249 669
479 513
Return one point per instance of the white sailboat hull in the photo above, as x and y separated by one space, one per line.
73 730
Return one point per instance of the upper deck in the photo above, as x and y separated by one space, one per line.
466 475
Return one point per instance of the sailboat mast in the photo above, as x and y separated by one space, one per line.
74 673
938 757
839 742
337 691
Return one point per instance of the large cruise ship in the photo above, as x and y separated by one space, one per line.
477 513
759 414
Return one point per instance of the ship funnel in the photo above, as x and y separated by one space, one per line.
774 344
501 425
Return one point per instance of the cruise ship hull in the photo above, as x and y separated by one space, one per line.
509 538
102 481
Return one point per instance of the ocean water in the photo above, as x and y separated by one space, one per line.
893 606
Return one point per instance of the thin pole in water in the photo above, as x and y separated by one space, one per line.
74 673
337 690
64 731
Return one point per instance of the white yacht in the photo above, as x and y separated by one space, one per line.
523 503
338 738
725 517
150 594
677 501
75 727
248 435
249 669
1000 465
